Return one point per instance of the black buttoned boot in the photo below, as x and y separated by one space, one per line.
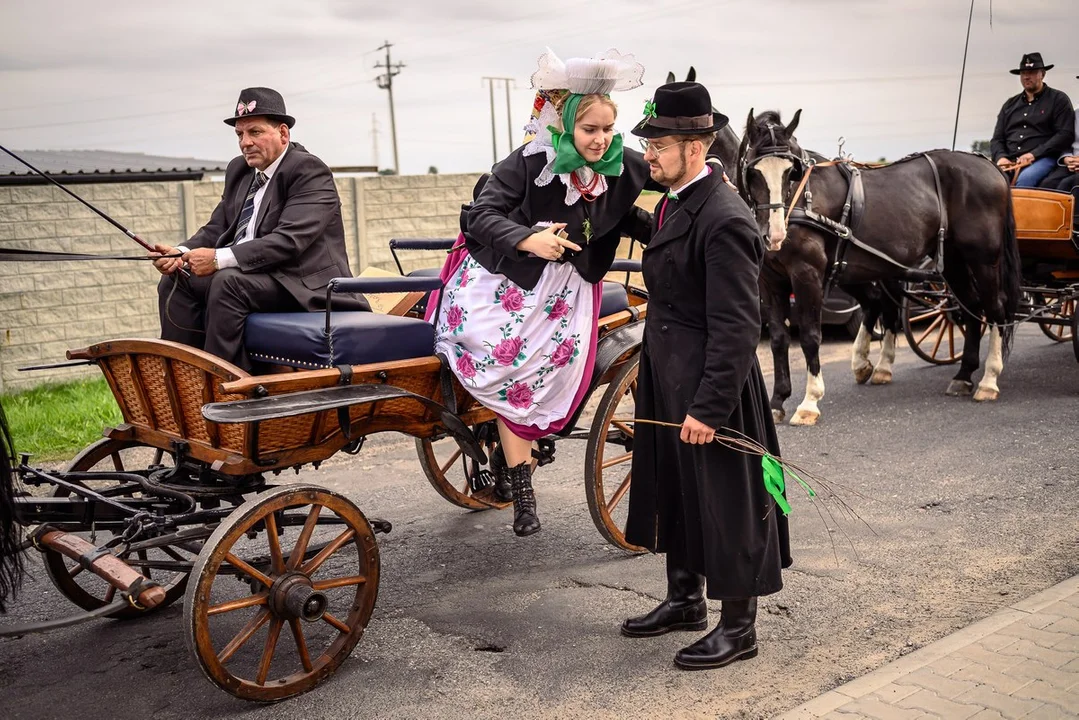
735 638
503 491
525 520
684 608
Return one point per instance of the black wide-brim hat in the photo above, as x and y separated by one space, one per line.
1031 61
680 108
258 101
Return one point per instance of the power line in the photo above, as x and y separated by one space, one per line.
385 82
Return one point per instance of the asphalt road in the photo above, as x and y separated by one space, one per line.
970 506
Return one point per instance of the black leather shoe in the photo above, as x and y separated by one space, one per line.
684 608
525 520
735 638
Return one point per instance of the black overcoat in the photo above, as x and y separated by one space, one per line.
706 505
510 205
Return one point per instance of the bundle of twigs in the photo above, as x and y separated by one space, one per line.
775 468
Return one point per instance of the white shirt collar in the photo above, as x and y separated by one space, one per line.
268 172
703 173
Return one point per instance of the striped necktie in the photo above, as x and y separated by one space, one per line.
249 206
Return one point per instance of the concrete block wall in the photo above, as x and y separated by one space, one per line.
47 308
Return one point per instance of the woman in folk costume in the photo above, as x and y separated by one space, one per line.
518 316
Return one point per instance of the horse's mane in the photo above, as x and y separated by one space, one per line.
768 117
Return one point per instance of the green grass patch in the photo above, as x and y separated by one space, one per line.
54 422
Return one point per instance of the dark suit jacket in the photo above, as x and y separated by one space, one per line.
299 237
510 205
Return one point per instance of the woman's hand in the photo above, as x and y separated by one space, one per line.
547 244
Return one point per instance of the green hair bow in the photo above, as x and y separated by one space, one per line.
567 159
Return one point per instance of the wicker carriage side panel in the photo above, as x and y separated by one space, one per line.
191 389
121 370
154 373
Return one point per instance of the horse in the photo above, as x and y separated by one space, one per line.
11 565
868 230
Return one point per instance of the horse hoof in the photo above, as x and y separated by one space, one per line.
862 374
805 417
986 395
959 388
881 377
779 416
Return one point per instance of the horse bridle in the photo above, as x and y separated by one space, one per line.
799 163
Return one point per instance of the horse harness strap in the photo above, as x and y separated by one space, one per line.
942 211
851 216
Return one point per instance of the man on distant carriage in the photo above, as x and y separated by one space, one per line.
1035 127
272 244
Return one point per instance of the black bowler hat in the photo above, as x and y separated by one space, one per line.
1031 61
260 101
680 108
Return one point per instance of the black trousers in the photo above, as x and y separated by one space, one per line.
209 312
1060 178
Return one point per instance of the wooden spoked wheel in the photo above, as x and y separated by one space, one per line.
86 589
932 323
271 633
453 474
608 459
1060 309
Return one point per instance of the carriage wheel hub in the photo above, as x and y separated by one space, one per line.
293 596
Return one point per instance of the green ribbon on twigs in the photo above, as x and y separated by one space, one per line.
568 159
773 482
649 109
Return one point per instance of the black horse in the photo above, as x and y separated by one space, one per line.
11 567
867 230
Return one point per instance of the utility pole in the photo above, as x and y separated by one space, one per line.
491 87
385 82
509 115
374 139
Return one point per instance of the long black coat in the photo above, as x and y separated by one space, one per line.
706 505
511 204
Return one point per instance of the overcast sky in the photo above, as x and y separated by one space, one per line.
159 77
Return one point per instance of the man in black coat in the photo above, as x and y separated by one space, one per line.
1035 127
272 244
701 503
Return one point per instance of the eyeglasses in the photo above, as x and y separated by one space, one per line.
647 145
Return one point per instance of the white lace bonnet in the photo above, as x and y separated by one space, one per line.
602 74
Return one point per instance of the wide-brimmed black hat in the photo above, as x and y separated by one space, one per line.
260 101
680 108
1031 61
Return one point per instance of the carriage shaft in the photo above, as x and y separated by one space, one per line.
107 566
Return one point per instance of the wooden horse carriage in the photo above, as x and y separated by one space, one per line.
1049 251
279 580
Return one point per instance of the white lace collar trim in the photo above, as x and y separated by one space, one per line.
542 143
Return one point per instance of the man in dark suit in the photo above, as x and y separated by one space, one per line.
701 503
273 243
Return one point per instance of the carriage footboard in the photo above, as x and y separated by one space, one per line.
339 398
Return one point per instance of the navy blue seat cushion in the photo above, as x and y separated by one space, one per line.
613 299
299 339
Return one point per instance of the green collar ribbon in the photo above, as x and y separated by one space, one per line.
567 159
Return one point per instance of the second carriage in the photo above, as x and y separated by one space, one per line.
1049 251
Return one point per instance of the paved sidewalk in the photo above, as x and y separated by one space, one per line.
1020 662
